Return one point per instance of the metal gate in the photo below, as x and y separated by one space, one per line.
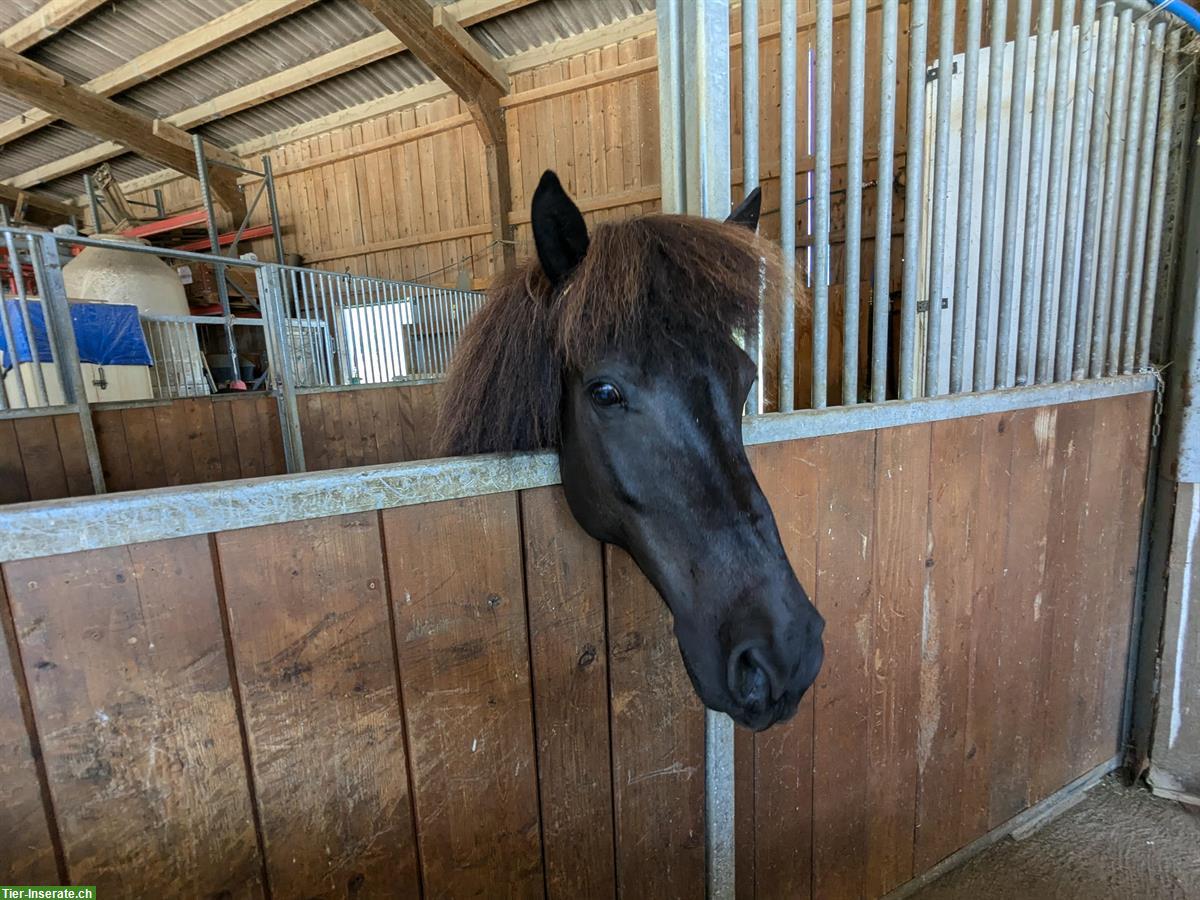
1056 147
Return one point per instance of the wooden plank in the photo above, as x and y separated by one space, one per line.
455 575
564 582
197 414
898 592
246 428
52 17
24 825
942 756
44 472
149 469
114 450
74 456
274 461
1013 604
658 772
226 438
308 623
1067 563
137 720
783 755
842 699
352 429
173 439
13 487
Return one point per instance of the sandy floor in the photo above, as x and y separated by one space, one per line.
1119 843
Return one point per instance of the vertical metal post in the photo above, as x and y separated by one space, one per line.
823 42
854 180
1158 197
6 328
93 203
1096 166
914 195
991 177
880 294
1049 363
1031 253
273 207
39 378
941 180
1121 283
966 195
1012 196
750 179
693 42
215 246
787 203
1112 194
270 292
47 267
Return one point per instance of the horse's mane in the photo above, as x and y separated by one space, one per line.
661 284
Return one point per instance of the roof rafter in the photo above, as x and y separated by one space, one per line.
224 29
38 202
47 89
313 71
46 22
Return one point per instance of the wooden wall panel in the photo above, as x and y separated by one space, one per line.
976 577
564 583
657 743
309 632
461 635
28 856
136 719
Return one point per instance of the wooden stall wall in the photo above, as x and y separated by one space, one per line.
472 698
201 439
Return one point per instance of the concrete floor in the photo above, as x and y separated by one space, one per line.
1118 843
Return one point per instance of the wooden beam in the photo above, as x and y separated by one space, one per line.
40 202
176 52
46 89
52 18
328 65
457 59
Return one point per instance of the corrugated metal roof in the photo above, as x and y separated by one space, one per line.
125 28
13 11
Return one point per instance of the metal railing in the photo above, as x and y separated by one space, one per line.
1045 269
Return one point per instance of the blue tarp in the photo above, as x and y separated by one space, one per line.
107 334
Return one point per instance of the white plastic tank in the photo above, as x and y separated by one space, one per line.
113 275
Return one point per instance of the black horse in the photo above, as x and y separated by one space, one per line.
618 350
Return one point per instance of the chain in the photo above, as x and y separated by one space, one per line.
1160 387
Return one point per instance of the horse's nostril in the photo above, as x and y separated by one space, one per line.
749 681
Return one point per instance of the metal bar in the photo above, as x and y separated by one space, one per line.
22 400
271 292
1158 197
1096 169
880 293
941 180
1031 253
914 168
328 335
854 183
1112 194
1012 196
404 329
47 269
823 42
210 216
14 262
1050 359
273 208
1133 139
669 15
787 203
159 206
750 179
150 329
394 336
966 196
1136 298
35 529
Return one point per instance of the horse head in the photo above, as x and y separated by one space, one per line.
618 349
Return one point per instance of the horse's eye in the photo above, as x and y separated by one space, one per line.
605 394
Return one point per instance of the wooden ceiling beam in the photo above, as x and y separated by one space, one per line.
313 71
52 18
437 39
46 89
18 198
210 36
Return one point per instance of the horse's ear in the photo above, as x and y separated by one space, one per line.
746 212
559 231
